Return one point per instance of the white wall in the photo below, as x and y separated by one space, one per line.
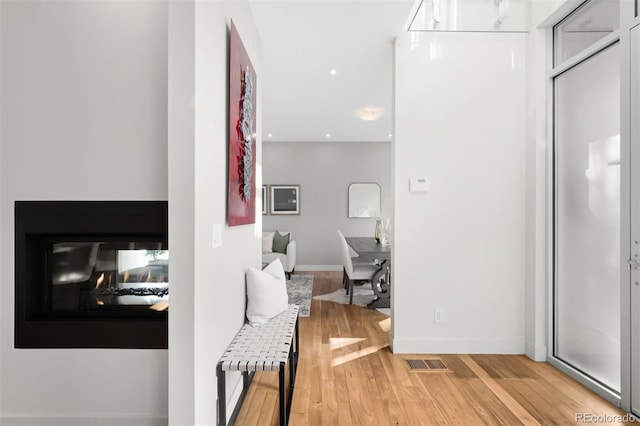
84 112
460 121
207 307
324 171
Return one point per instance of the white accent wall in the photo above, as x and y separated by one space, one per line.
208 299
460 122
84 117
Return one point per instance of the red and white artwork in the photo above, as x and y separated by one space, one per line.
241 204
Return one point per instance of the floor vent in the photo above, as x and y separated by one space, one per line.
435 364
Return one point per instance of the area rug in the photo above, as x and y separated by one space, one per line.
361 297
299 290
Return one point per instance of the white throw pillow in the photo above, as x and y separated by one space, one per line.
266 293
276 269
267 242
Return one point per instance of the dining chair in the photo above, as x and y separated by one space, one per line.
355 268
352 254
355 258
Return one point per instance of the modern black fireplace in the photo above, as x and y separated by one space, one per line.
91 274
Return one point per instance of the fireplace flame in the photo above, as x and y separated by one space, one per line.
125 276
160 306
100 280
149 277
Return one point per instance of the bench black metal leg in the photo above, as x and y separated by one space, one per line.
222 398
282 398
292 372
297 336
297 348
293 366
245 380
292 379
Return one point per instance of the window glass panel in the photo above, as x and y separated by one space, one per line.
588 24
101 277
587 208
471 15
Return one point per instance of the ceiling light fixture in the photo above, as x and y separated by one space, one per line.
328 135
370 114
333 71
269 135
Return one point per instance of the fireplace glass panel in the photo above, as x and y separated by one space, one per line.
103 276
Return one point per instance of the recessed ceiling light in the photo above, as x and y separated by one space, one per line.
270 135
328 135
390 135
370 113
333 71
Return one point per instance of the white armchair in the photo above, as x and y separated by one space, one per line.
288 258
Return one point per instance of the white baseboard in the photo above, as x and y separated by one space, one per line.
536 353
84 421
458 346
312 268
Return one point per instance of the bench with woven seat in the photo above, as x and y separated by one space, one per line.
268 347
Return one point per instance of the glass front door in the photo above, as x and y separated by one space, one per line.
587 217
635 219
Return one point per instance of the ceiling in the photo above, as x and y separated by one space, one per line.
302 41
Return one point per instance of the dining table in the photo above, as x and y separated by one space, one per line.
371 248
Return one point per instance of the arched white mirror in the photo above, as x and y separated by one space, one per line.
364 200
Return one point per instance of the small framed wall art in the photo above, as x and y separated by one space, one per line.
264 199
285 199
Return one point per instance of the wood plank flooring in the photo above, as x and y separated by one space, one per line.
348 376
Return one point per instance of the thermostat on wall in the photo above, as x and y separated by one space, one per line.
419 184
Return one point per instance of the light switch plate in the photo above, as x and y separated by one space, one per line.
216 235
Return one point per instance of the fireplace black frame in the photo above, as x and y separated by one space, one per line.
37 222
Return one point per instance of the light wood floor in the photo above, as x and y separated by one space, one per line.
348 376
